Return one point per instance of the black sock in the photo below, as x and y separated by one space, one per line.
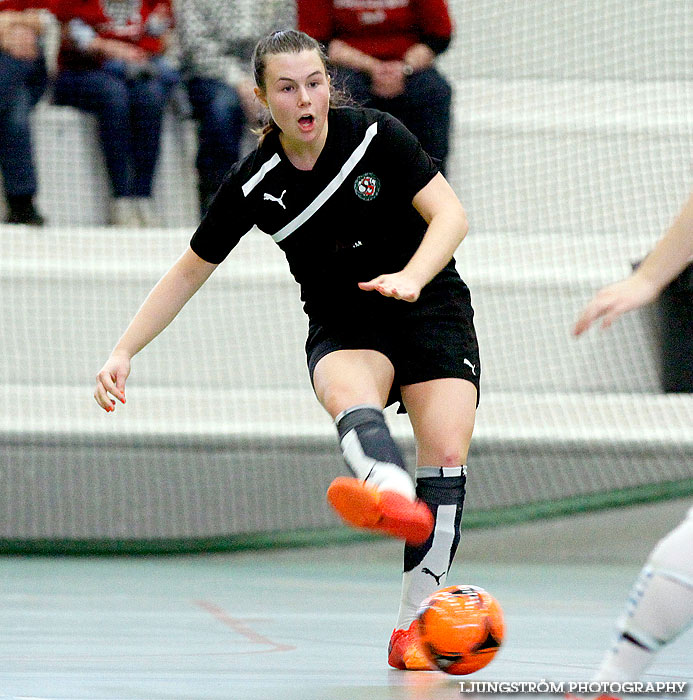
370 452
426 566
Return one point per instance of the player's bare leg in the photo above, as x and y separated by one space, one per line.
353 385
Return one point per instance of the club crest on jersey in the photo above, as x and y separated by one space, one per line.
367 186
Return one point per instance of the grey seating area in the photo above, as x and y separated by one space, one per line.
74 187
573 141
221 435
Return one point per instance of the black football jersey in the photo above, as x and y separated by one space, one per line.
345 221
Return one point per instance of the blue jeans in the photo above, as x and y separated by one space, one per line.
21 85
157 67
129 114
423 107
219 113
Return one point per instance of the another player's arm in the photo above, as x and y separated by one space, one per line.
672 253
668 258
447 226
160 307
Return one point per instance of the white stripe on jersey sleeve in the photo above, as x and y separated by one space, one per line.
256 179
338 179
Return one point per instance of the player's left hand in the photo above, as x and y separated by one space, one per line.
397 285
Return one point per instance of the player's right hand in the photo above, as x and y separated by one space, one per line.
110 381
398 285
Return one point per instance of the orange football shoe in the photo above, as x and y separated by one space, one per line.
362 505
405 653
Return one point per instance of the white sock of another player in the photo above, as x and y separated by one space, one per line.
660 607
426 566
370 452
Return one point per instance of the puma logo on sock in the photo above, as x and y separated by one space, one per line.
426 570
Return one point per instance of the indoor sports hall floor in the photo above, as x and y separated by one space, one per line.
313 623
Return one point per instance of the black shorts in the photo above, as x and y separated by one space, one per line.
433 338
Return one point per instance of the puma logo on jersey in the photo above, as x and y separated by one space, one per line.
278 200
467 362
426 570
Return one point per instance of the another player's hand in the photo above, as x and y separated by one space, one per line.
398 285
110 381
616 299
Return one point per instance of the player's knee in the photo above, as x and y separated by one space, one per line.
337 396
454 458
447 456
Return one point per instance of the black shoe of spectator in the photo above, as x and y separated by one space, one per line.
24 213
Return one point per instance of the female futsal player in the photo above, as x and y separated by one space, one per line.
369 227
661 604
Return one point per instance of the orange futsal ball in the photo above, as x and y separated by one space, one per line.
460 628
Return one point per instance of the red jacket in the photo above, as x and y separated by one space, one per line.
18 5
136 31
381 28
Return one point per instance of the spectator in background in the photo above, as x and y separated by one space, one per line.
216 42
111 63
22 82
385 53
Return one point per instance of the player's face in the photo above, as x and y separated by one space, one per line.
297 92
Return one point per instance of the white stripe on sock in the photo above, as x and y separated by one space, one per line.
428 472
417 585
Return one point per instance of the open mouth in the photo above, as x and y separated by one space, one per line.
306 121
